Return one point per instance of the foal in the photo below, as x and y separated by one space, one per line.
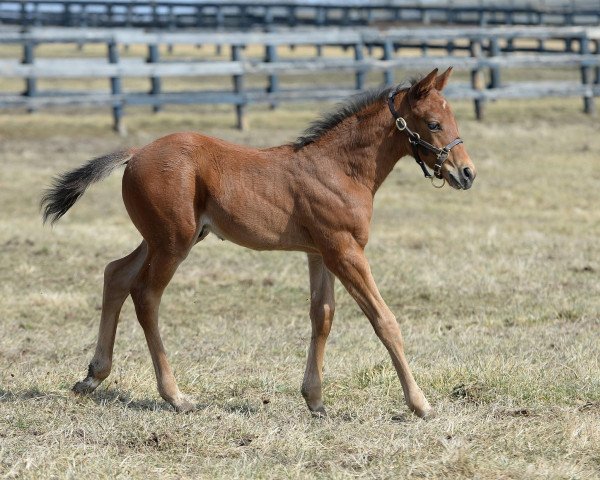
315 196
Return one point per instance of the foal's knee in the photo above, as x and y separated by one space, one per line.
109 272
114 278
321 314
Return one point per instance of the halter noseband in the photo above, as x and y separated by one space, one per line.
415 140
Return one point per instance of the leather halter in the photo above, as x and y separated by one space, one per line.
415 140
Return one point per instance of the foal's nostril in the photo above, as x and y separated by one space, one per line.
467 173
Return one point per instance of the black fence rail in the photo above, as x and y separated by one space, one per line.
485 53
241 14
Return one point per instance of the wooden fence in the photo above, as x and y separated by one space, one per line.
484 52
243 14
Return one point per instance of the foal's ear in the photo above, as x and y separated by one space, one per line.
422 87
442 80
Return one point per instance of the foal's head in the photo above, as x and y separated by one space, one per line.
428 114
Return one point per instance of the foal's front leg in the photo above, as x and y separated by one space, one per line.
322 307
350 265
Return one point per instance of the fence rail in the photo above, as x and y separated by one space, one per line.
240 14
485 53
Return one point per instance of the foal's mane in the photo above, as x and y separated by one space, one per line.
345 109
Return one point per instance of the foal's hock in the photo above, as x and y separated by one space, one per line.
314 195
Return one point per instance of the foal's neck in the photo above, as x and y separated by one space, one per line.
365 145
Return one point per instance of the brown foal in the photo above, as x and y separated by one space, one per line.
315 196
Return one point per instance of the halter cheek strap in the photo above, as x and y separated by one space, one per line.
441 154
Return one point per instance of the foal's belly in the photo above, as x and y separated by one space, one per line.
255 230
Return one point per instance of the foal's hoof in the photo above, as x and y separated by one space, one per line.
318 412
425 414
85 386
184 406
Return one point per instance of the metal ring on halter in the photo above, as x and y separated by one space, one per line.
400 123
440 185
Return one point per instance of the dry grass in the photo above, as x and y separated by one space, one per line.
497 291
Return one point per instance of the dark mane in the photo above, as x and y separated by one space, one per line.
343 110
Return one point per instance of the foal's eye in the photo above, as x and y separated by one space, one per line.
434 126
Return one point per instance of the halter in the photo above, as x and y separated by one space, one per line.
415 140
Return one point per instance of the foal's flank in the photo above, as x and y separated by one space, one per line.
314 195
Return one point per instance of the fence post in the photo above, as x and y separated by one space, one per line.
245 21
128 16
199 16
220 18
482 18
238 87
360 74
495 70
569 17
115 88
450 17
320 16
597 69
273 82
37 18
172 19
568 45
268 19
477 82
425 17
82 18
346 17
388 54
155 82
155 17
508 17
109 14
586 76
510 44
30 82
24 22
67 15
292 19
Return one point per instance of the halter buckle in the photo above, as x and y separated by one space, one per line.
414 138
400 124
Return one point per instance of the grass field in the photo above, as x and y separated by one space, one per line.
497 291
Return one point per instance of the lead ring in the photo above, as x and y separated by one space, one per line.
440 185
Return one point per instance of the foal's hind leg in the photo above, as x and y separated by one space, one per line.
118 279
146 294
163 201
322 307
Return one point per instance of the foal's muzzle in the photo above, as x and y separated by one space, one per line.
461 178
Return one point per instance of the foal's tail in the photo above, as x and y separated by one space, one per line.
68 187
